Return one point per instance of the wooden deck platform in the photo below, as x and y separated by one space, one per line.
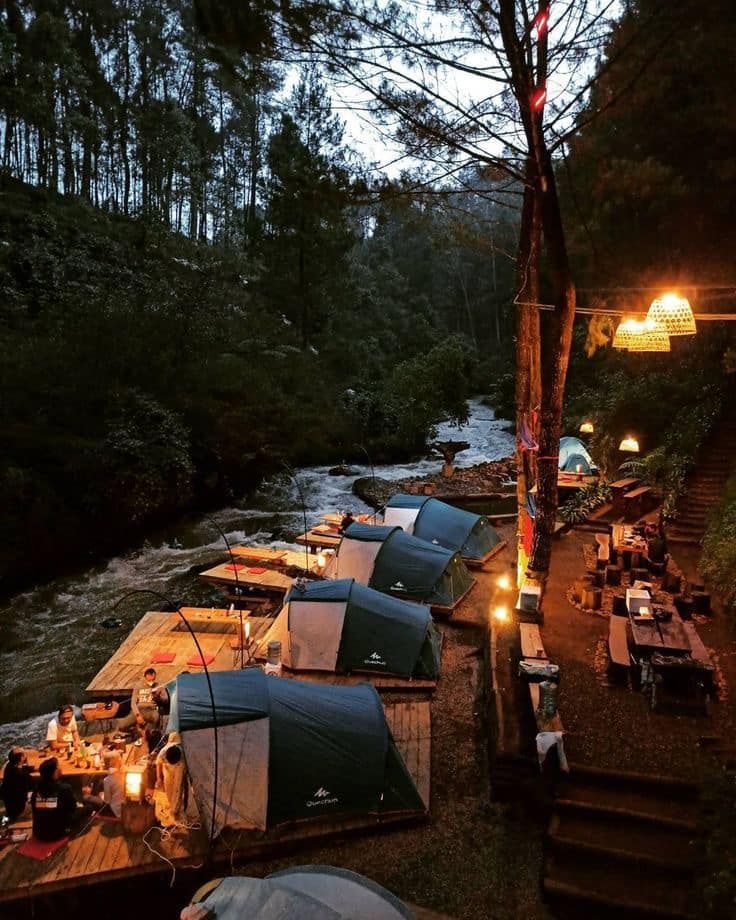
387 683
268 581
105 853
165 632
318 538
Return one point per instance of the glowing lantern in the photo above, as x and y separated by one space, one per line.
629 445
501 614
587 428
503 582
134 784
674 314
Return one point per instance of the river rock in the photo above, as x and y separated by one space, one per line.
342 469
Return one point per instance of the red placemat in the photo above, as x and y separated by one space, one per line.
41 849
257 570
159 657
197 661
234 567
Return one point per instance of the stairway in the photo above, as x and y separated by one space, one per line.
620 844
705 484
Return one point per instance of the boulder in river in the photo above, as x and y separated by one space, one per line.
342 469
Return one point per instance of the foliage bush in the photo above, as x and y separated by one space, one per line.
577 508
718 560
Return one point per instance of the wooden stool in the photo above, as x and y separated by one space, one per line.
684 606
613 575
592 598
599 579
619 606
671 583
639 574
701 603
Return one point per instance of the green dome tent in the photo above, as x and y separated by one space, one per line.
287 750
343 626
429 519
573 453
301 893
389 560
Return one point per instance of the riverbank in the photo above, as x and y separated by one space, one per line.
489 479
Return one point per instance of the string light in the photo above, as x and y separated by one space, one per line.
539 97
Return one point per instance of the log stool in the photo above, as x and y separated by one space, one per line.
599 579
657 568
701 603
613 575
684 606
619 606
592 598
671 583
639 574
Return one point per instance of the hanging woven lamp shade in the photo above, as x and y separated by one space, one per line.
629 445
638 335
674 313
651 336
625 332
587 428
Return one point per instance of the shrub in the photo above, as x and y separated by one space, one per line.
718 561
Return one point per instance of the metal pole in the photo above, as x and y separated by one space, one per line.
373 475
292 475
237 580
177 609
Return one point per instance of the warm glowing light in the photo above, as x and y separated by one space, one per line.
134 783
247 630
641 335
501 614
321 560
629 445
674 313
541 21
503 582
587 428
539 97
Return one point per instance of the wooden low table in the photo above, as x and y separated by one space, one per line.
657 635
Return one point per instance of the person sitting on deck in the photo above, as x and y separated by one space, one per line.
171 778
110 803
53 804
16 784
63 729
143 704
656 547
347 520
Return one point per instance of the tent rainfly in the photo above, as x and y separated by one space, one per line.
469 534
288 750
573 453
301 893
389 560
342 626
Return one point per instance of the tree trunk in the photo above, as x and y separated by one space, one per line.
556 341
528 382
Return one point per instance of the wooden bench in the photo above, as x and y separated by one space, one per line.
618 642
531 641
698 651
620 488
532 651
637 502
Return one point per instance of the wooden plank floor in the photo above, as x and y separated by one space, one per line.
387 682
103 852
270 580
165 632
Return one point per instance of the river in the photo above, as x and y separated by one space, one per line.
52 640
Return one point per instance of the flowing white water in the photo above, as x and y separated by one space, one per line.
51 638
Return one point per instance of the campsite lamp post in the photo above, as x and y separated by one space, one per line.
177 609
237 582
373 474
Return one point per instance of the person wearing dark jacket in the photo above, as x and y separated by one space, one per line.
53 804
16 784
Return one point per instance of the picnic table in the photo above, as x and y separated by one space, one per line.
626 541
70 770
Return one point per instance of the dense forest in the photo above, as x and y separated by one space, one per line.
200 284
201 280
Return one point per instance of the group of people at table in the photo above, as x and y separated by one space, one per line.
55 809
